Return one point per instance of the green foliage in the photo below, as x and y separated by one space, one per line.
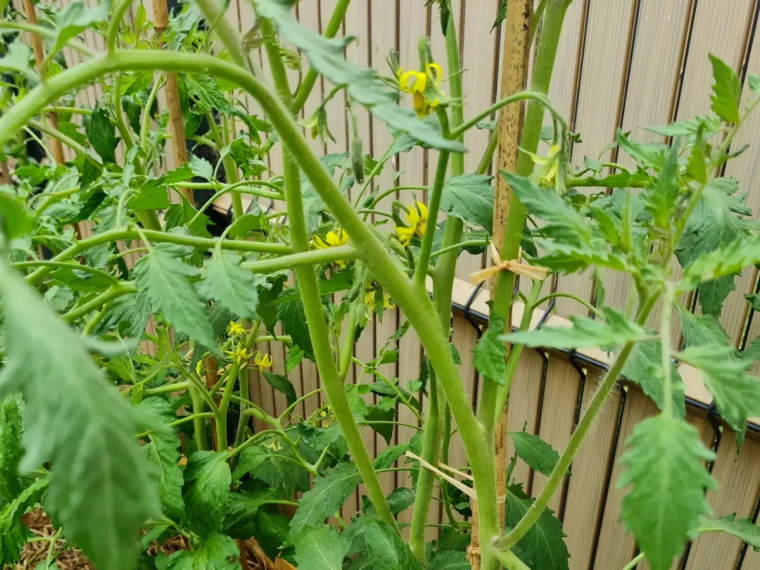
216 552
538 454
742 529
11 430
584 333
100 131
321 548
78 424
325 498
470 198
231 285
727 91
644 367
207 484
668 478
163 279
283 385
490 355
542 547
273 464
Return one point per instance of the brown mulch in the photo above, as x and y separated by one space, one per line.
252 557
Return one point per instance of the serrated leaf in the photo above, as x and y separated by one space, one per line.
490 354
75 18
754 83
79 424
539 455
544 543
163 279
14 221
200 167
162 450
321 548
13 533
152 195
742 529
325 498
727 91
700 330
11 430
584 333
100 131
662 198
293 359
206 490
668 478
386 548
206 90
390 455
326 56
563 223
400 499
293 318
227 283
714 226
216 552
470 198
282 385
242 508
736 393
644 367
275 467
648 155
449 560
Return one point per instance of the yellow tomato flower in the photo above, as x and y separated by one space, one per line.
239 355
548 167
274 446
262 361
333 238
234 328
424 87
416 216
199 368
369 300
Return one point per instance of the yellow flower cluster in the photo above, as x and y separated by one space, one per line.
369 300
262 361
235 329
424 87
239 355
333 238
416 216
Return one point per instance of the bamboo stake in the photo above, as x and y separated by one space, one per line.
171 92
513 80
39 56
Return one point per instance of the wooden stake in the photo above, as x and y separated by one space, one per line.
171 92
514 79
39 56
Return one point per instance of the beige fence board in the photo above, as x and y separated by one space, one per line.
586 490
557 416
601 86
522 408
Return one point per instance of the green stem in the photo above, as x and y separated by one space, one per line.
485 161
442 292
226 33
123 288
124 234
166 389
113 27
70 265
118 115
244 396
68 110
309 80
145 125
586 304
587 419
536 97
48 34
420 273
395 189
511 561
303 259
667 363
460 245
69 142
633 563
179 422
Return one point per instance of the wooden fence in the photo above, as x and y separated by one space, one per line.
621 64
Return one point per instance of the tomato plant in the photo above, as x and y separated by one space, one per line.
126 410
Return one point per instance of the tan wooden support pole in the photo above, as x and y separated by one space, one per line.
39 56
514 78
171 92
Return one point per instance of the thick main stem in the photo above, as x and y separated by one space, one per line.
514 79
